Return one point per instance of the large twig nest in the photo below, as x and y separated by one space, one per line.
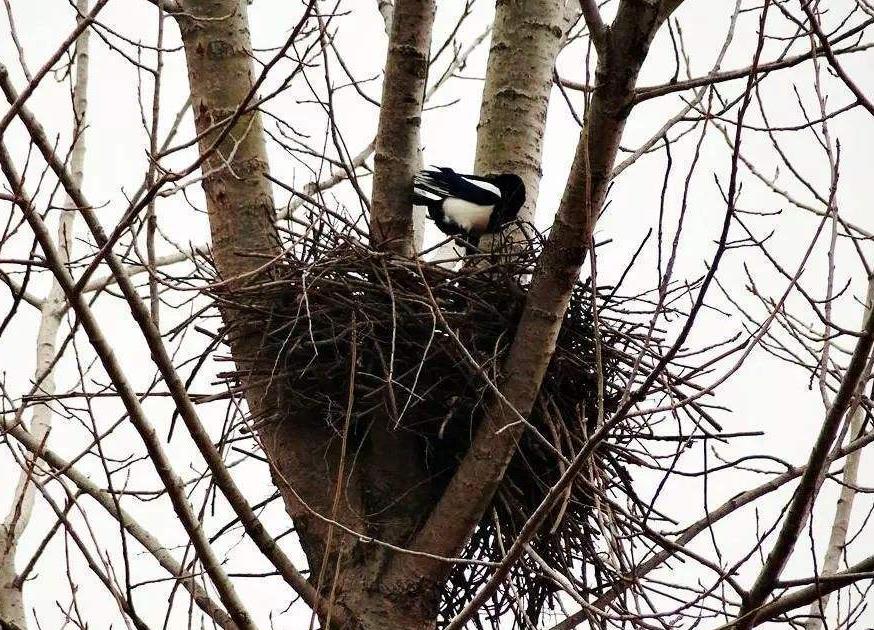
429 344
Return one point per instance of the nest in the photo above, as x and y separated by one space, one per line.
427 341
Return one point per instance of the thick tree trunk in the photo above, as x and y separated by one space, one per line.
472 487
239 197
526 38
305 454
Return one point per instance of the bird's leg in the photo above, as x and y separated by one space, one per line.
471 243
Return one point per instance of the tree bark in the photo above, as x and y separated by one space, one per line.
526 38
400 117
473 486
11 596
304 453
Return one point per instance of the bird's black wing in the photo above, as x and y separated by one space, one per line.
432 185
425 193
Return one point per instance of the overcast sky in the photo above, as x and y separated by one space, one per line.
765 394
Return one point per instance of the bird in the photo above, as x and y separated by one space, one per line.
468 205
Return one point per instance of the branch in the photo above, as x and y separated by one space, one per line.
821 587
151 544
266 544
400 116
833 60
60 51
51 316
844 506
472 487
98 284
669 6
18 291
646 93
163 467
654 91
794 518
122 601
597 29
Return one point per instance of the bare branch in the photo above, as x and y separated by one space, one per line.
51 316
794 518
597 29
820 587
833 60
844 505
648 92
134 528
26 93
164 363
162 464
474 484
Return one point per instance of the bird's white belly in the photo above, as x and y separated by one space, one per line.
466 215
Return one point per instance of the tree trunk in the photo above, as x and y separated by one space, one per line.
51 316
397 155
304 453
239 199
11 597
516 90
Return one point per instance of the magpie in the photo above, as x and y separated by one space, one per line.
468 205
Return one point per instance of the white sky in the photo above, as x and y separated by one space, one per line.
764 395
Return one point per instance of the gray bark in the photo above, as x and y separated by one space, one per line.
397 140
471 489
516 91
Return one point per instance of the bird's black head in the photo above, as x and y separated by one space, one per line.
512 194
